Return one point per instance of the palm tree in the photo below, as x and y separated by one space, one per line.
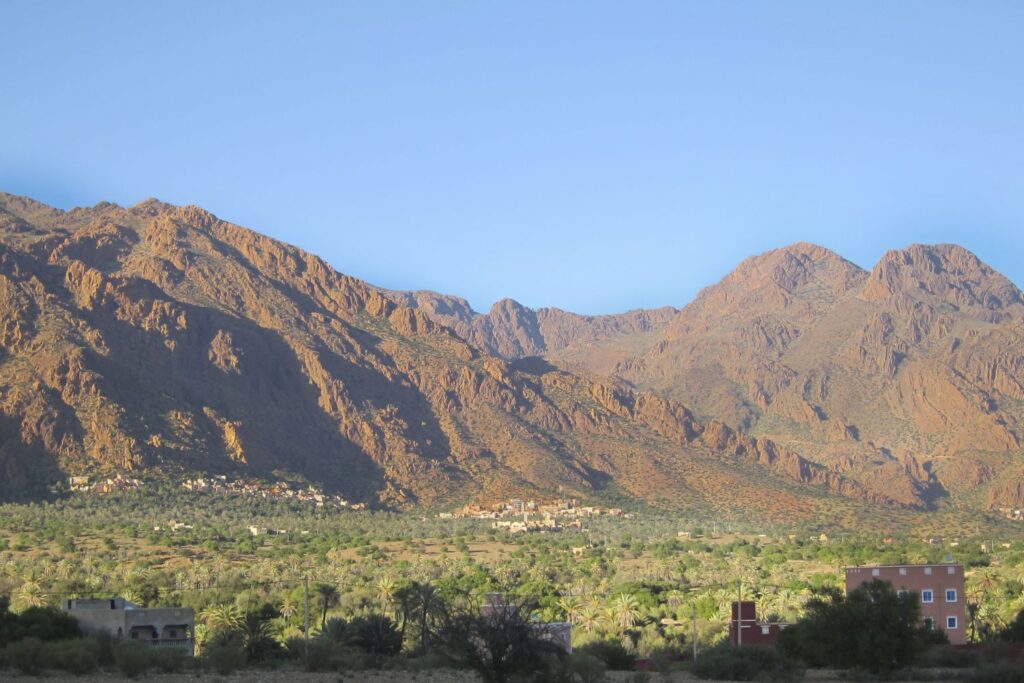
221 618
329 597
385 592
626 611
30 594
571 605
257 637
973 620
985 580
288 607
429 605
591 618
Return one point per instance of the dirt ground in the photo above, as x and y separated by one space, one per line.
357 677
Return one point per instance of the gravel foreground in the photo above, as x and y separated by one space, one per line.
439 676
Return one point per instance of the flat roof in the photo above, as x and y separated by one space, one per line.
890 566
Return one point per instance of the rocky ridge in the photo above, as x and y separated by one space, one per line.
162 339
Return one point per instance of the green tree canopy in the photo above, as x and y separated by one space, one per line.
873 628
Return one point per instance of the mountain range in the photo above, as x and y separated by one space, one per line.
163 340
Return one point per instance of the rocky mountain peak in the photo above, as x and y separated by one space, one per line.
941 274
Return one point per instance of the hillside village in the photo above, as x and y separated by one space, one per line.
279 490
520 516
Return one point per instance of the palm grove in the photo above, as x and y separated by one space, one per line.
385 586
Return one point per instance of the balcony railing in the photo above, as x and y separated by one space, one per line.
167 642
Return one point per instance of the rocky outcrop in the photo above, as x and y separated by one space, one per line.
922 354
162 339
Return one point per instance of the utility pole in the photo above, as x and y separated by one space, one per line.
739 614
305 612
694 613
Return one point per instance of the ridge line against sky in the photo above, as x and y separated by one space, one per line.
677 305
591 156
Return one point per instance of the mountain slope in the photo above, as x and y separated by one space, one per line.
511 330
908 378
163 339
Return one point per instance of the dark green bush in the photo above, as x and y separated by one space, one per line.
612 652
27 655
103 646
168 660
872 628
998 672
295 647
318 655
947 657
77 656
44 623
586 668
132 659
335 630
350 659
426 662
1014 631
375 634
728 663
224 659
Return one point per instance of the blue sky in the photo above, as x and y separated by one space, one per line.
588 155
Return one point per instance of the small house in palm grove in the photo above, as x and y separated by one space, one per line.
939 587
164 627
558 632
745 629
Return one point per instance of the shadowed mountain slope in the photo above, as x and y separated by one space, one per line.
162 339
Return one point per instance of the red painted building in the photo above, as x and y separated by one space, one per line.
745 629
939 587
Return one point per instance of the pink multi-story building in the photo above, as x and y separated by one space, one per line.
939 587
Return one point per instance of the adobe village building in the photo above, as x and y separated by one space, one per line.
939 588
165 627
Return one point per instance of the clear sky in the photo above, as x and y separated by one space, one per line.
588 155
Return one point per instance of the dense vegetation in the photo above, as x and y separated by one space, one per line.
385 583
